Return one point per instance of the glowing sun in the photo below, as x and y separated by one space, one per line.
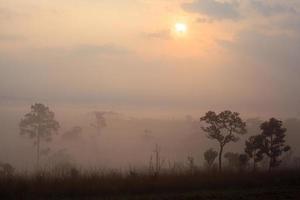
180 27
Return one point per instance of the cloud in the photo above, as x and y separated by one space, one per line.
214 9
105 49
164 34
274 8
280 50
11 37
5 14
204 20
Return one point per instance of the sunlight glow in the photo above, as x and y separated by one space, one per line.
180 27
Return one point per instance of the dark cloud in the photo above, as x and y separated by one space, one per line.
214 9
268 9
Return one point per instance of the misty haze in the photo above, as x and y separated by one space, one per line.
140 99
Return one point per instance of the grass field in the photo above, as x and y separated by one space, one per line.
184 185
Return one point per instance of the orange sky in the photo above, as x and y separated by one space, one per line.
235 54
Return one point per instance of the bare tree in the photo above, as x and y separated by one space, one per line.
223 127
155 166
210 156
39 124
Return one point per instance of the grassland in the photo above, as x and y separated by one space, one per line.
168 185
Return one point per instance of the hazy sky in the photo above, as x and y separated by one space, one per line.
236 54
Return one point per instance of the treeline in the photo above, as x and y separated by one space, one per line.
227 126
224 128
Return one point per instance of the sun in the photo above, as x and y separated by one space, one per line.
180 27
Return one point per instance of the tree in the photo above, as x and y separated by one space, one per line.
233 159
100 121
252 149
73 134
210 156
39 124
223 127
6 169
237 161
243 161
273 141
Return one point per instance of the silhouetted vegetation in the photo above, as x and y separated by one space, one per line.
62 179
252 149
210 156
270 143
72 183
39 124
223 127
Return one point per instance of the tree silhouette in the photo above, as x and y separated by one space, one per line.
73 134
236 160
210 156
233 159
39 124
223 127
6 169
100 121
252 149
273 141
243 161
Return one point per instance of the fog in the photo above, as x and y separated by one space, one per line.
109 139
125 61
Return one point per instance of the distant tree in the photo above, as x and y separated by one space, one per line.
223 127
232 159
252 149
191 164
210 156
243 161
6 169
273 141
156 163
39 124
237 161
100 121
73 134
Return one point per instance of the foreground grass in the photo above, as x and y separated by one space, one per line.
184 185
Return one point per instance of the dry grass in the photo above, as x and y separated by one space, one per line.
82 184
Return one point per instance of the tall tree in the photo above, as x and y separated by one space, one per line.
223 127
253 150
39 124
210 156
273 141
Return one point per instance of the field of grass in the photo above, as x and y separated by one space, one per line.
183 185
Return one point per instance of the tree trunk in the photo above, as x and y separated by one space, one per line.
38 150
220 158
254 161
270 164
271 153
